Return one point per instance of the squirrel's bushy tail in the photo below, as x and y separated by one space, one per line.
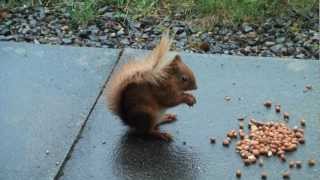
150 69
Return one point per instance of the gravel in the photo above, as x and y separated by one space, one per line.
277 36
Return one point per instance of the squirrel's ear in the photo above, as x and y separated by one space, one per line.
176 60
175 64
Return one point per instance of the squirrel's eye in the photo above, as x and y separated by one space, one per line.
184 78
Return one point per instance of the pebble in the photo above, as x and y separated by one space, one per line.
67 41
246 28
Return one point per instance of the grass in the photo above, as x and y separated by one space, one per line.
208 11
82 12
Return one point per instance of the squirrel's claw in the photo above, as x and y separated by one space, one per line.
190 100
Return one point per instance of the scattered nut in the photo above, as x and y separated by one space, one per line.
264 175
308 87
291 164
302 122
252 159
212 140
277 108
238 173
283 157
286 115
232 134
267 103
241 118
298 164
226 142
227 98
312 162
260 162
241 134
267 139
286 175
241 126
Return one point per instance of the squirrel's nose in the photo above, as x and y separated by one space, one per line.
195 87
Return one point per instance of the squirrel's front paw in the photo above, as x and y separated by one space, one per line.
189 99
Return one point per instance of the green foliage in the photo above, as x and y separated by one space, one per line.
82 12
241 10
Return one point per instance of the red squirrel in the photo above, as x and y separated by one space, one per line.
140 91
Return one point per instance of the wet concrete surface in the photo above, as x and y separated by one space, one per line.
46 93
107 151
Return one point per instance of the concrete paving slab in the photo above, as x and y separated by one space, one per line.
46 93
107 151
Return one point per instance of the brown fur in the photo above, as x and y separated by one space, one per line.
141 90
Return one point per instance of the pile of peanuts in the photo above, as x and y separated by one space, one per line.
268 139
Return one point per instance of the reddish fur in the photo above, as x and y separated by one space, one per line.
138 93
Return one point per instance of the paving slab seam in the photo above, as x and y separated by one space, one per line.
67 157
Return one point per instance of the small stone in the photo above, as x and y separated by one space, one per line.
205 46
57 163
120 32
184 143
246 28
252 35
300 56
227 98
67 41
311 162
47 152
269 43
113 35
104 142
276 48
238 173
286 115
5 32
280 40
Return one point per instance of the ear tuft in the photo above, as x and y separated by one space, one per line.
176 58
